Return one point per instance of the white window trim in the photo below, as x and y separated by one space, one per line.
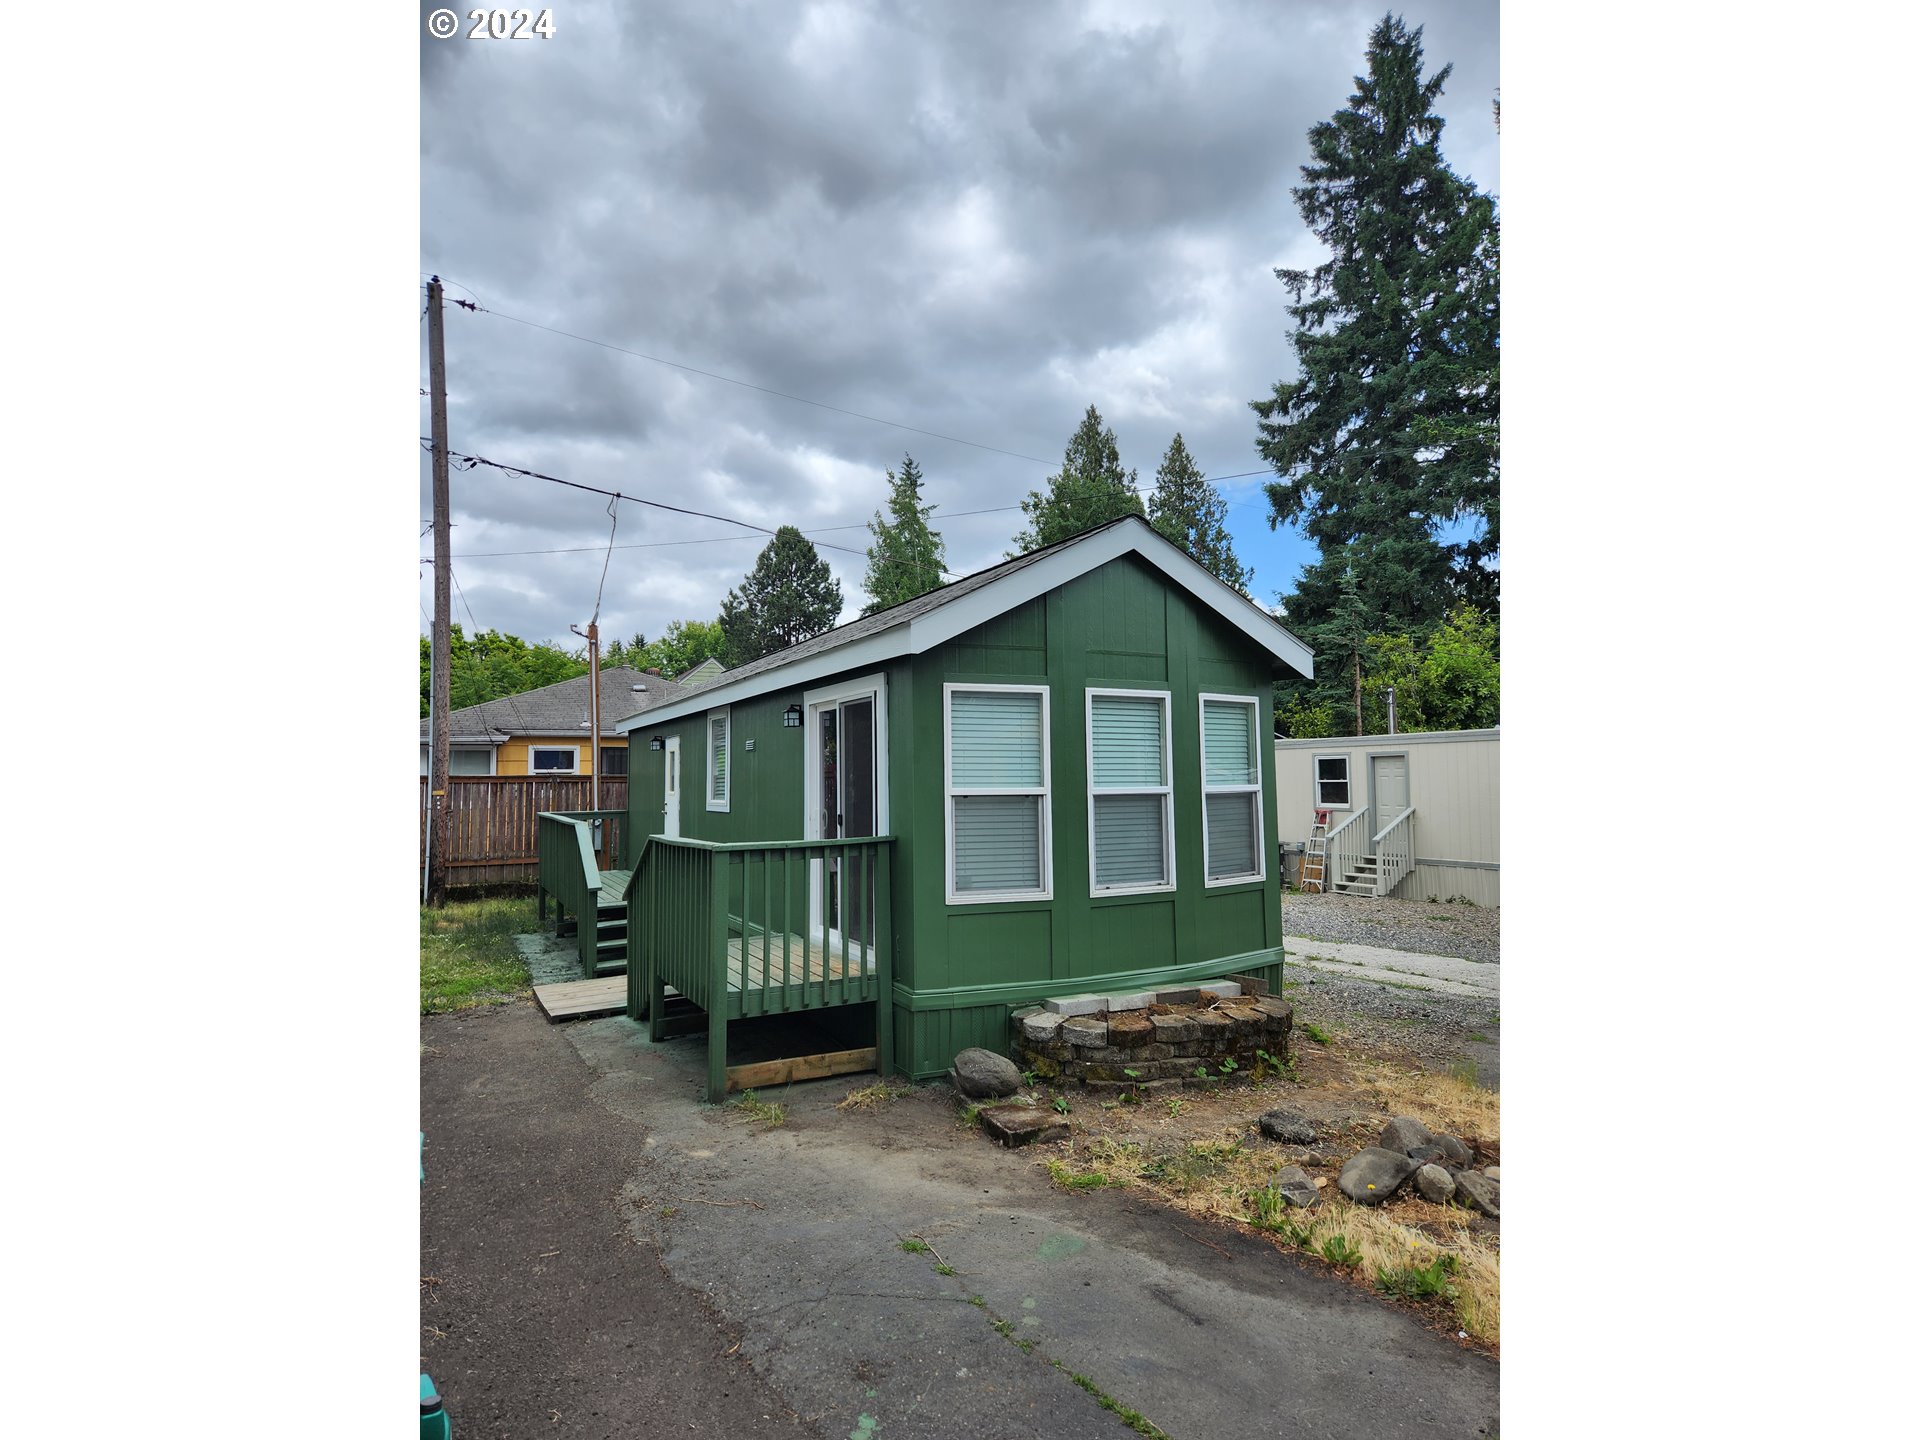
493 757
573 766
1095 890
1320 804
723 802
1259 872
994 897
812 702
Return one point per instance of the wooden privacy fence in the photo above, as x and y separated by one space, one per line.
493 823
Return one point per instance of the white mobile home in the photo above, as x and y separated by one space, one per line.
1416 817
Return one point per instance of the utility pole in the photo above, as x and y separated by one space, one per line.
437 826
592 634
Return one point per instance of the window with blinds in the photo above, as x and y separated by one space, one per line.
1230 765
719 778
1130 793
998 801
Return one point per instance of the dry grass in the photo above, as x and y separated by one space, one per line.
1210 1162
869 1097
1446 1102
752 1110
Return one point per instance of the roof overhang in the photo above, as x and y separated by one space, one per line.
937 626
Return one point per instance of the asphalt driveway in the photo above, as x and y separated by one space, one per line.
610 1257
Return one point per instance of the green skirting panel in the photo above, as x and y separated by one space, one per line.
932 1026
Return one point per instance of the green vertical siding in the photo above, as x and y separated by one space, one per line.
1121 626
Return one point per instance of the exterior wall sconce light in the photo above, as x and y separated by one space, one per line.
656 743
790 717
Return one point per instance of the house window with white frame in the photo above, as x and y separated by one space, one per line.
1130 791
1230 775
999 799
1331 790
553 760
719 772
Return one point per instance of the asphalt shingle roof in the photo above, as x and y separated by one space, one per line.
561 708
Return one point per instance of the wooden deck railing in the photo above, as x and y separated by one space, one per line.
570 871
762 929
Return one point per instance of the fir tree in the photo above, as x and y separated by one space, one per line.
1089 489
907 556
1192 514
790 595
1393 426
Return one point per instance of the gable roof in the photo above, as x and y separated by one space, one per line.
919 624
560 708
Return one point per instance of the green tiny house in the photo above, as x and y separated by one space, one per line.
1051 777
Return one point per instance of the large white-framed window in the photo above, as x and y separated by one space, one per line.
719 759
1129 791
999 783
1230 788
553 759
1332 782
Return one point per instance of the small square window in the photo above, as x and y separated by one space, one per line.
1330 786
613 761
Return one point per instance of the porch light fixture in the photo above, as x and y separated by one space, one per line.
656 742
790 717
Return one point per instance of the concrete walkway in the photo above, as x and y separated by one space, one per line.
1447 974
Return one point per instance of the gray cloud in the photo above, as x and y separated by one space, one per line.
976 220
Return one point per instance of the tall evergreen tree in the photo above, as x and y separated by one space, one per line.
1393 426
907 556
1089 489
790 595
1193 514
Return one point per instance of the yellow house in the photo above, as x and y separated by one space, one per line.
546 731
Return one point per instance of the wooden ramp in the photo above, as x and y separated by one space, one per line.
583 999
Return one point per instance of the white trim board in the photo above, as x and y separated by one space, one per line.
1081 556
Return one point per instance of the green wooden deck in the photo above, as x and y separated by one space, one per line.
613 886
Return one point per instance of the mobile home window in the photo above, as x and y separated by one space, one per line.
1130 794
1230 765
998 793
554 759
719 780
1330 788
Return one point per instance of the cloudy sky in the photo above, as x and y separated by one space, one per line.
970 220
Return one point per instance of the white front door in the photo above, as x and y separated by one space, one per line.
1389 785
670 809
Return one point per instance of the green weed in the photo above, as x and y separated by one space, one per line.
915 1247
1314 1033
1419 1282
1339 1250
755 1111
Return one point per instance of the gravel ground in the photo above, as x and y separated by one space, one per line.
1437 1029
1469 931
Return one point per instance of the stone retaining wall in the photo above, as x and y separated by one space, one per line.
1165 1047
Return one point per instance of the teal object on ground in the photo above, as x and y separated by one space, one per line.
434 1424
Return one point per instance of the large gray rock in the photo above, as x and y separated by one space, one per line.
1478 1191
1289 1127
982 1075
1371 1177
1433 1183
1458 1151
1427 1155
1296 1187
1402 1133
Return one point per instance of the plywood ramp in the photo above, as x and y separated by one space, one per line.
583 999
